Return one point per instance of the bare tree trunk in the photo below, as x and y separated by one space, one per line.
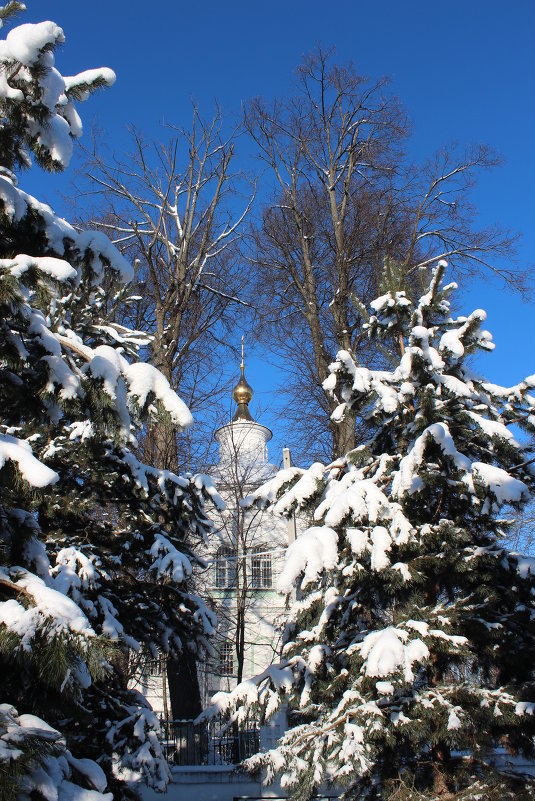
343 436
184 690
164 691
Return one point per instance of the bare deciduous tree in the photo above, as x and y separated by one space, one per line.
345 197
175 210
521 537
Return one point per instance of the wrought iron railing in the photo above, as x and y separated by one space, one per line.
213 743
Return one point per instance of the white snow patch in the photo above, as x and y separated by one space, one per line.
100 246
302 490
390 301
312 552
59 269
32 470
524 708
525 565
406 479
354 497
403 569
58 611
267 492
26 42
144 379
454 721
89 77
450 342
386 651
384 687
493 428
358 540
503 486
169 561
381 543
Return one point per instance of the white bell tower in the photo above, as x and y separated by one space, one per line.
243 441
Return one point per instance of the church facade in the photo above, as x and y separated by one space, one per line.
244 556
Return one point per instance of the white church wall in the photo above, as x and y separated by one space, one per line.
244 556
246 546
149 677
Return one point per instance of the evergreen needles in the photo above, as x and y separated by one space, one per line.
94 560
408 658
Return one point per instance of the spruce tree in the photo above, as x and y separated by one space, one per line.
408 664
92 541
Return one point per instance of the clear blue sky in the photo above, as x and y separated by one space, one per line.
465 71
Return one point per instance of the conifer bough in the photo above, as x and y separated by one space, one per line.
93 561
408 657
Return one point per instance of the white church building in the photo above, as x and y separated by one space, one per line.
244 557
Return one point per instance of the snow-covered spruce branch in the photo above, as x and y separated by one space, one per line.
406 586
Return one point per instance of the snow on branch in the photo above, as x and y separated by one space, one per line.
52 772
31 469
60 612
47 122
139 381
26 43
169 562
58 269
386 651
310 555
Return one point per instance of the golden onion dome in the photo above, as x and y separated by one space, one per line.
242 394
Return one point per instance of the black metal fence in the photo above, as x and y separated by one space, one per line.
213 743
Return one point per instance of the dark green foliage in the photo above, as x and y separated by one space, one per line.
409 657
93 561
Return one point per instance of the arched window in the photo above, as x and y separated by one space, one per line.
225 567
226 659
261 568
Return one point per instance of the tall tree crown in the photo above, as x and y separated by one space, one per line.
345 197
